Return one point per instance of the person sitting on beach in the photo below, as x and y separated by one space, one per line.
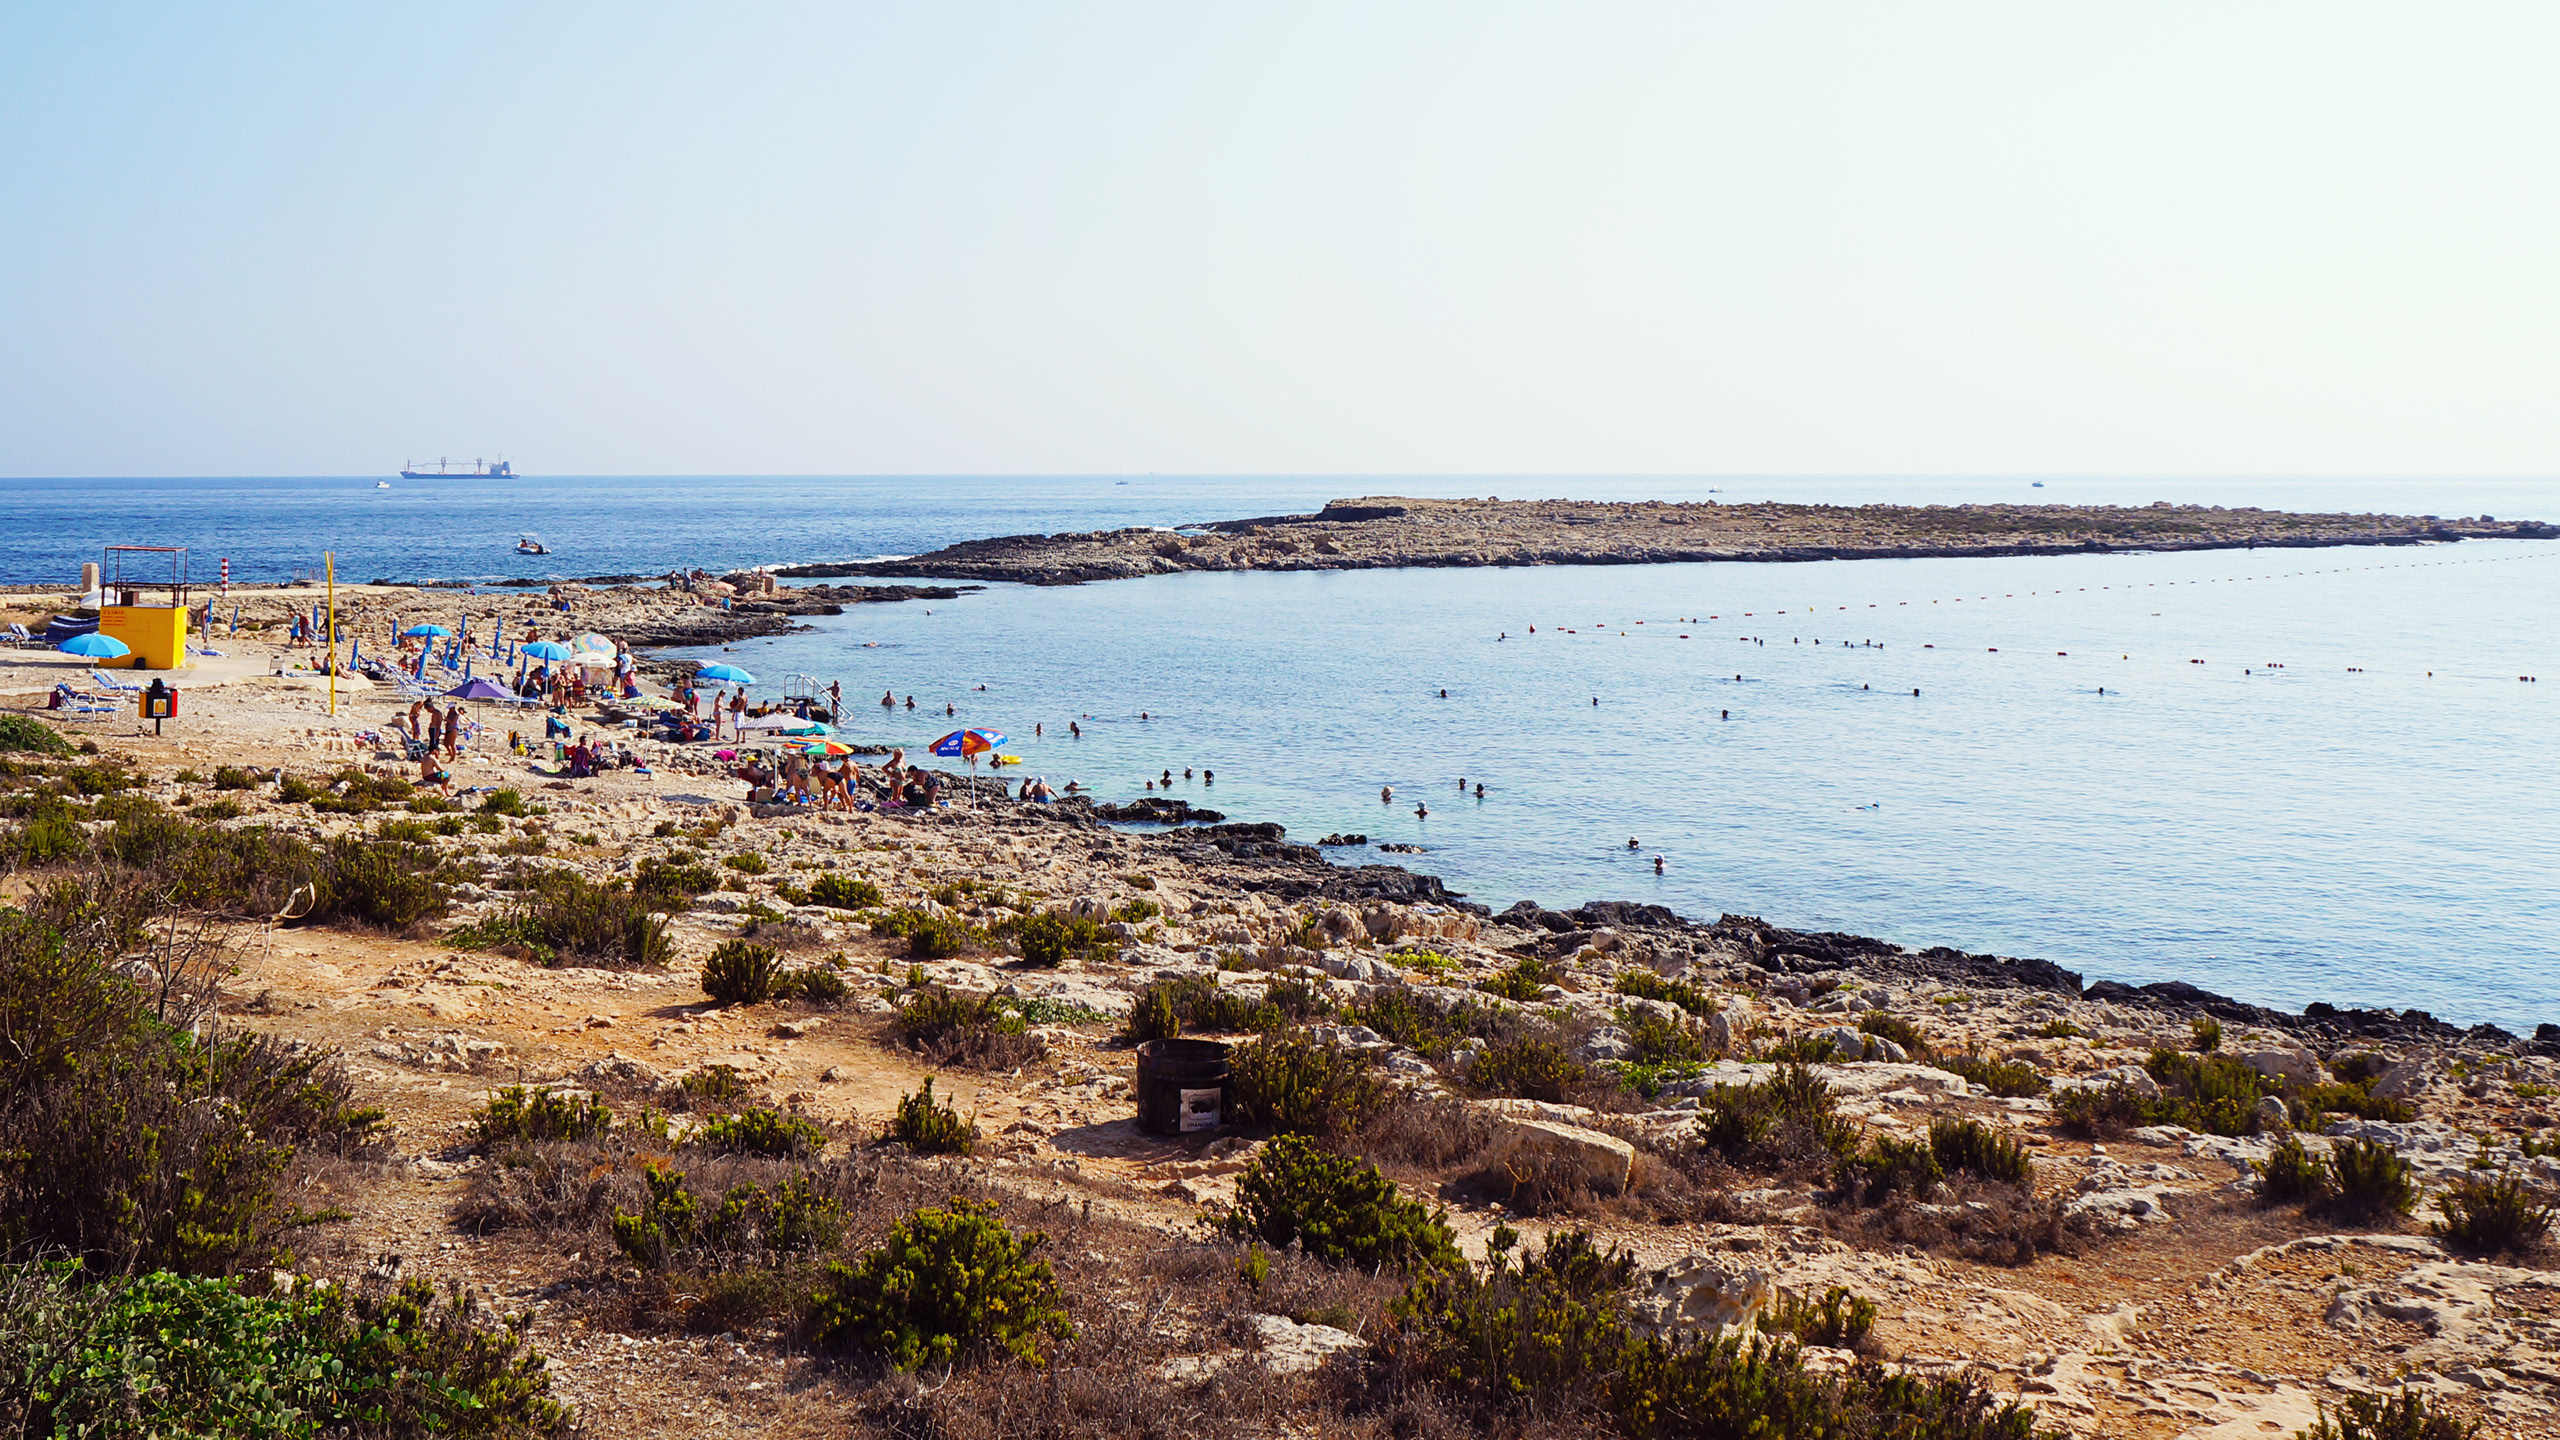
582 762
431 773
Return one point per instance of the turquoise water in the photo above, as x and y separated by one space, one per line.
2349 827
2368 824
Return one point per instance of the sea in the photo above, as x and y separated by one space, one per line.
2285 775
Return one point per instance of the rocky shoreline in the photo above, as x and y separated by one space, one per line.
1381 532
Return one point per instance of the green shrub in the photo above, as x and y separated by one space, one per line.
1289 1082
523 1115
1896 1029
2207 1032
1646 985
2099 1112
1839 1320
949 1284
1974 1148
844 892
931 1127
746 862
1337 1209
814 985
2368 1178
1524 982
674 1229
1790 1115
565 918
28 735
2494 1214
672 887
504 802
2009 1079
2291 1172
2357 1100
1398 1015
2059 1030
1199 1003
1551 1336
758 1132
740 972
952 1028
1054 938
1529 1067
928 936
1153 1016
713 1084
161 1354
2405 1416
128 1140
1888 1166
2217 1094
232 777
47 838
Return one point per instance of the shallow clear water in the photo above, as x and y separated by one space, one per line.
2369 824
2350 827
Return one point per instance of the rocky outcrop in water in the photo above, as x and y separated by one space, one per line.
1385 532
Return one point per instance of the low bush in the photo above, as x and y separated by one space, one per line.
1839 1320
504 802
1524 982
1337 1209
746 862
1199 1003
521 1114
1551 1337
1644 984
814 985
1529 1067
675 1229
741 972
713 1084
929 937
2099 1112
1658 1041
1973 1148
758 1132
2488 1214
948 1027
1790 1117
2207 1032
2405 1416
2368 1179
162 1354
1901 1032
949 1284
2292 1173
668 886
232 777
27 735
2344 1098
564 918
1153 1016
1288 1082
2008 1079
1888 1166
1053 938
1397 1014
844 892
931 1127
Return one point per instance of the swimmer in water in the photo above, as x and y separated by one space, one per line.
1074 729
1724 714
888 701
1142 714
1039 728
1595 700
1631 843
1186 772
1479 789
1421 812
911 702
1168 779
1386 794
1208 777
949 709
1657 864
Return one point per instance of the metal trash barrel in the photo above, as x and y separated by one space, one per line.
1182 1086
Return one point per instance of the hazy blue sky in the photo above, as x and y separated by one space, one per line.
1282 237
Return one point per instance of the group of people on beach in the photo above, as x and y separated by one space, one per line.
839 783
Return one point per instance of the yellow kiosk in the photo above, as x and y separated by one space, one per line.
131 607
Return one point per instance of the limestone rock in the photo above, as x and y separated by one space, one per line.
1289 1348
1605 1160
2290 1063
1706 1294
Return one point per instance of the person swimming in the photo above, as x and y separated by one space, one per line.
1657 864
1421 812
1479 789
1208 777
1631 843
1386 794
1074 729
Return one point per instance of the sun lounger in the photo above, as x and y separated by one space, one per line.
111 683
19 635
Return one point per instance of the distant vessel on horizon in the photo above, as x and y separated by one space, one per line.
451 470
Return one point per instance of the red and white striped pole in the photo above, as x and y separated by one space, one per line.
226 575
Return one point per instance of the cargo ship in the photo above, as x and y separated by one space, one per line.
456 470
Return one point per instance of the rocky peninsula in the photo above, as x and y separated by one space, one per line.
1385 532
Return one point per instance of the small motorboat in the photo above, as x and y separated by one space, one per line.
527 545
381 484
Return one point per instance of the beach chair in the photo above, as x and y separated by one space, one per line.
110 683
19 636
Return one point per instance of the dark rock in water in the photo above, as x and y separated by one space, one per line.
1151 811
1392 848
1624 914
1344 840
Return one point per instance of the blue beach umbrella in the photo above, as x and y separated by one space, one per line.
724 674
417 631
94 646
546 650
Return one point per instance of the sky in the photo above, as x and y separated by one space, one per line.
1684 238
